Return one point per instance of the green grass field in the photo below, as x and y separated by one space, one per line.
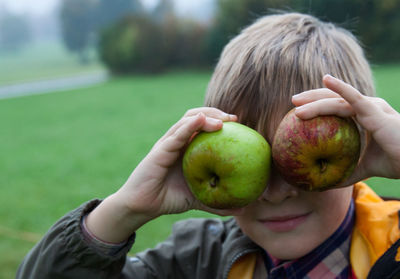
60 150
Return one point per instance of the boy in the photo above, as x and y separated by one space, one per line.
287 232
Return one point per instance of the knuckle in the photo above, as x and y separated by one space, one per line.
360 97
190 112
381 101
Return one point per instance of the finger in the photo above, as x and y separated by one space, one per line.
331 106
195 120
169 147
361 104
212 112
187 128
313 95
207 111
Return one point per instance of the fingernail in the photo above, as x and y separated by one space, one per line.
232 117
328 76
215 121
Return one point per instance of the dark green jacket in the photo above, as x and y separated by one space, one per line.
196 249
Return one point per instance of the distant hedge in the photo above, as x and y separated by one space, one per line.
139 44
143 43
133 44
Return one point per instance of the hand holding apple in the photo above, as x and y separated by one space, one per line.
157 185
228 168
318 153
381 155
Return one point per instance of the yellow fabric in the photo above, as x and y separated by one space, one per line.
397 258
376 229
244 267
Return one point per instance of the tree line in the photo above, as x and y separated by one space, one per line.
14 31
131 39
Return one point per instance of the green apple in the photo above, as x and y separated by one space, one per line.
316 154
228 168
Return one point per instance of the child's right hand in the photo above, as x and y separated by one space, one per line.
157 185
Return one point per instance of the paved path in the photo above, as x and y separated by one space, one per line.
52 85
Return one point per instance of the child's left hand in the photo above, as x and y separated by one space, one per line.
381 155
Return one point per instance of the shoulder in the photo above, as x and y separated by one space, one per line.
214 228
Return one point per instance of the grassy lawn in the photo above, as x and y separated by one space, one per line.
42 60
60 150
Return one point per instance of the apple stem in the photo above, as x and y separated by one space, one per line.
213 181
322 165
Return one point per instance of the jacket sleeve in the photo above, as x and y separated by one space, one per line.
192 251
64 253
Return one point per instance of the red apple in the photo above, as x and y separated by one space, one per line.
316 154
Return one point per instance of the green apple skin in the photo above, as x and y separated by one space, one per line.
316 154
228 168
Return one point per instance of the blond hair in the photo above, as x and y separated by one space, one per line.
278 56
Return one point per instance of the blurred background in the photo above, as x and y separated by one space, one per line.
123 71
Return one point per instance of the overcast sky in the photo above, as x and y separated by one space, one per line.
24 6
44 6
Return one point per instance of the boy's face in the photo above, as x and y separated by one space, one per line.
288 222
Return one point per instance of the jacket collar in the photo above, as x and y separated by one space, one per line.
376 228
236 246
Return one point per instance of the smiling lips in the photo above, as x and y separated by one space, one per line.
284 223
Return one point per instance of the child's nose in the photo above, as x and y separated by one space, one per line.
278 189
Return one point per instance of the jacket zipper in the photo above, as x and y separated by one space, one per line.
235 258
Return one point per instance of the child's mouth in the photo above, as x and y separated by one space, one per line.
284 223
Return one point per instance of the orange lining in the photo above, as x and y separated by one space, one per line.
244 267
376 228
